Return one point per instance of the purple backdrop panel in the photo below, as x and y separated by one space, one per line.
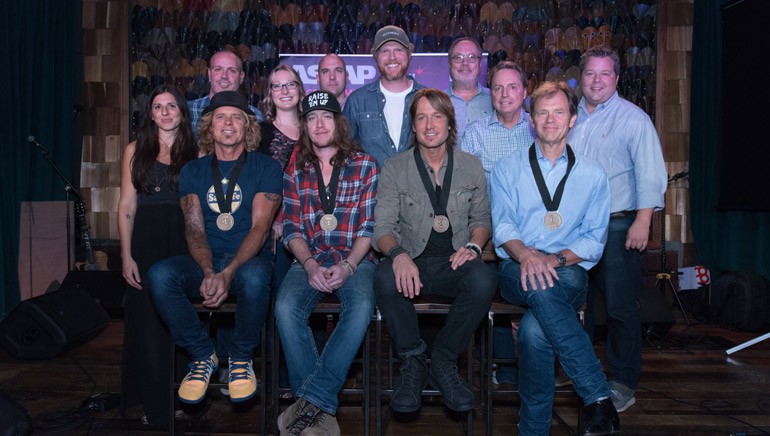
429 69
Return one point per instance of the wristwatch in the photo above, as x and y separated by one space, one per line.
474 248
561 258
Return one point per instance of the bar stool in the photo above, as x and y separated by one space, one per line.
424 305
330 307
500 307
208 315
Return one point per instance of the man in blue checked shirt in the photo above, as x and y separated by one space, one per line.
328 223
550 210
225 74
508 128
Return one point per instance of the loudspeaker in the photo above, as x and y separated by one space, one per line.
42 327
106 287
14 419
656 315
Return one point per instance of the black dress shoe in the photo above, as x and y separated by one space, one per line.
412 379
600 418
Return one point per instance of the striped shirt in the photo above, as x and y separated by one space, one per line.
489 140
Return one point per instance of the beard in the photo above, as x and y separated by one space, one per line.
392 75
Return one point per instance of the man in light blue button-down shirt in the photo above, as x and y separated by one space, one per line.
470 100
503 131
621 137
550 211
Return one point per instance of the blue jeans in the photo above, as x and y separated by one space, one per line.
176 280
319 378
548 327
618 278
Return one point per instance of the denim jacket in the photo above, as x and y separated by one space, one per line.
364 111
404 209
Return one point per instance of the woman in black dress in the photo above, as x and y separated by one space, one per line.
280 131
151 228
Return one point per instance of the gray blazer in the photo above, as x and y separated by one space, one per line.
404 209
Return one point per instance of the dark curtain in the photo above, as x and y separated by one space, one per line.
41 75
725 240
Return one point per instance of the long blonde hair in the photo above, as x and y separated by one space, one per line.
206 141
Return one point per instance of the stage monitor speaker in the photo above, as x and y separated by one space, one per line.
106 287
14 419
656 315
44 326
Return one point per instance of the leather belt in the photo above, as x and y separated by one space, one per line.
622 214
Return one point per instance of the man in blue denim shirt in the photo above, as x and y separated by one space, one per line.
550 211
378 112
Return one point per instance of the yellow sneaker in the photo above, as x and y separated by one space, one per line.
193 387
243 383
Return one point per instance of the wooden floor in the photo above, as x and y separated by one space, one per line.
688 387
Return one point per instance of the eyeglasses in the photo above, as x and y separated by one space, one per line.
471 58
276 87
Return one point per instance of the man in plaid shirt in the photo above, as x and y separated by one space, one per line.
328 223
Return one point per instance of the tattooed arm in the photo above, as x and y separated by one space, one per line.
198 245
195 232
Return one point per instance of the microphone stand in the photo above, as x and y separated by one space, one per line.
663 276
69 189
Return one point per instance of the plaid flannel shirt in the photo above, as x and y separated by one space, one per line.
354 208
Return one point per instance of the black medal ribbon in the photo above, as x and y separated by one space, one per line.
225 201
439 203
550 204
327 194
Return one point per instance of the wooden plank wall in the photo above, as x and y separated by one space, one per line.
105 101
673 115
106 114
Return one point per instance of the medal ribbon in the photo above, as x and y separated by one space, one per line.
225 201
550 204
439 203
327 193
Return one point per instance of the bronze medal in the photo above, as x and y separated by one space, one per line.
440 223
328 222
225 222
552 220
